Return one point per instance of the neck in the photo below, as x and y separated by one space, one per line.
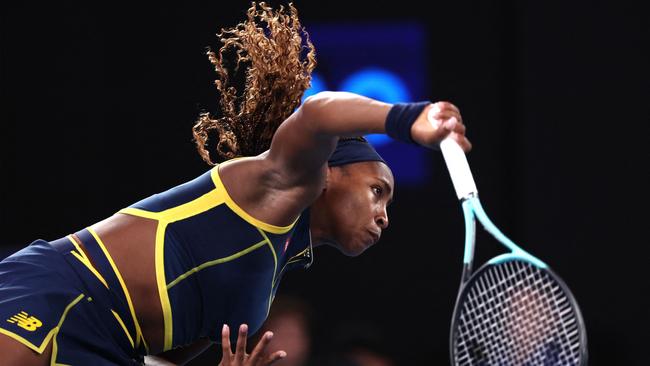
319 231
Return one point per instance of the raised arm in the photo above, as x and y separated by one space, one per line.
303 143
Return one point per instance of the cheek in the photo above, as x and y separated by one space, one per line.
344 216
356 212
343 213
354 207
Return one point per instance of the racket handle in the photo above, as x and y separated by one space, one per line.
459 171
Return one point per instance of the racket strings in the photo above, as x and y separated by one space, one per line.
516 314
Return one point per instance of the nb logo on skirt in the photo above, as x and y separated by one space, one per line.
25 321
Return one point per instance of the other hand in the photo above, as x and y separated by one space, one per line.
259 357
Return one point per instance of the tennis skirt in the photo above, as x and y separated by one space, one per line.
50 292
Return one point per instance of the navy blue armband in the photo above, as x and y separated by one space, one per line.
400 119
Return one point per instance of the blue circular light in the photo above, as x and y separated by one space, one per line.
377 83
380 84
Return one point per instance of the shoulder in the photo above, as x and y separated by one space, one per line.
262 188
254 170
264 173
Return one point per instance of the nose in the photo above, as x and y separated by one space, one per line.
382 220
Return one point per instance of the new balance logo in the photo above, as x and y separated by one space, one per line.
25 321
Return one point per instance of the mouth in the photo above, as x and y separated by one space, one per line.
374 235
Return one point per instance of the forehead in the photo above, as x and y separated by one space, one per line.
371 169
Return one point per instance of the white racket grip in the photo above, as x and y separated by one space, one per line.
459 171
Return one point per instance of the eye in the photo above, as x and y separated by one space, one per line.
377 190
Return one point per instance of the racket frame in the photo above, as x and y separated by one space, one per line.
467 193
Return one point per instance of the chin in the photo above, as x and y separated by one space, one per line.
350 253
353 248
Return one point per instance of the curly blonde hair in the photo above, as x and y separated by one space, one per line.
270 44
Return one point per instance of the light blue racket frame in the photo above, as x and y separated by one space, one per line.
472 209
461 177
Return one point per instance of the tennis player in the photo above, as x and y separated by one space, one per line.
164 278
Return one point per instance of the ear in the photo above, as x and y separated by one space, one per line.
328 178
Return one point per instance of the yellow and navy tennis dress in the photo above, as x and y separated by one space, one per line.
215 265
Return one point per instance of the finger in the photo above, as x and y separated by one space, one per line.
437 118
462 141
444 115
276 356
453 125
446 107
240 353
467 145
260 348
225 345
449 127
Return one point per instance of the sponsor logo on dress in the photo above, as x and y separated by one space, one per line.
25 321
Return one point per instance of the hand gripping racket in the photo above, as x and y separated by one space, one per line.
513 311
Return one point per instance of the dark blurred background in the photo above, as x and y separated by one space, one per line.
97 103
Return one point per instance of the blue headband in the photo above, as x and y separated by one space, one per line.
353 150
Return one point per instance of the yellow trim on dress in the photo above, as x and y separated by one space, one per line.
294 259
204 203
162 288
83 258
243 214
140 213
37 349
138 331
58 327
197 206
215 262
275 268
119 320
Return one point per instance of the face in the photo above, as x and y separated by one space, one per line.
351 212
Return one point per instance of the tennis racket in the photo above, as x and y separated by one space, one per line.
514 310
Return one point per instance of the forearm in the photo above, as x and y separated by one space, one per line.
342 114
330 115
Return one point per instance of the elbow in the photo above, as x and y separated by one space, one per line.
315 102
315 107
320 97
